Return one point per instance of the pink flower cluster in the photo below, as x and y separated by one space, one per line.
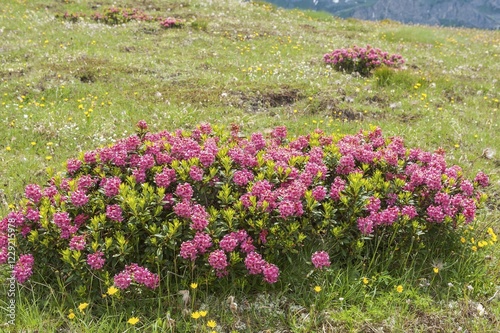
138 274
23 268
96 260
255 264
320 259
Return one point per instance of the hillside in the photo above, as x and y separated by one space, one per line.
481 14
72 82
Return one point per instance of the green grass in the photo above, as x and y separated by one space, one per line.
71 87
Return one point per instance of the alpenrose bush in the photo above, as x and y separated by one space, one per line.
116 15
361 59
209 203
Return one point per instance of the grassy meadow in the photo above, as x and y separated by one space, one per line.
71 86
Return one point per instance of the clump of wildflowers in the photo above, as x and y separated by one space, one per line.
361 59
216 202
171 22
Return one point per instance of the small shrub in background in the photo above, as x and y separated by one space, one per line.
115 15
210 203
361 59
171 22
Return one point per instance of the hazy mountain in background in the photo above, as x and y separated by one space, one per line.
482 14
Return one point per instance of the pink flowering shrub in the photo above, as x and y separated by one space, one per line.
116 15
362 60
171 22
219 203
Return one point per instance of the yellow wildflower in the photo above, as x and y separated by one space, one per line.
133 320
211 323
112 290
194 285
317 289
195 315
436 270
203 313
365 280
71 314
399 289
82 306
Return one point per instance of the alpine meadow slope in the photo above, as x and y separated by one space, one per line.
171 124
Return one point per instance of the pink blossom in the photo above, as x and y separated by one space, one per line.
271 273
143 276
346 165
50 191
33 192
114 213
79 198
17 218
319 193
25 230
183 209
320 259
365 225
202 241
189 250
96 260
229 242
218 260
73 165
85 182
80 219
33 215
207 158
286 208
338 186
165 178
90 157
279 132
24 268
77 243
122 280
258 140
435 214
409 211
482 179
254 263
196 173
111 186
62 219
199 217
388 216
139 175
205 128
146 162
242 177
247 245
184 191
374 205
142 125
